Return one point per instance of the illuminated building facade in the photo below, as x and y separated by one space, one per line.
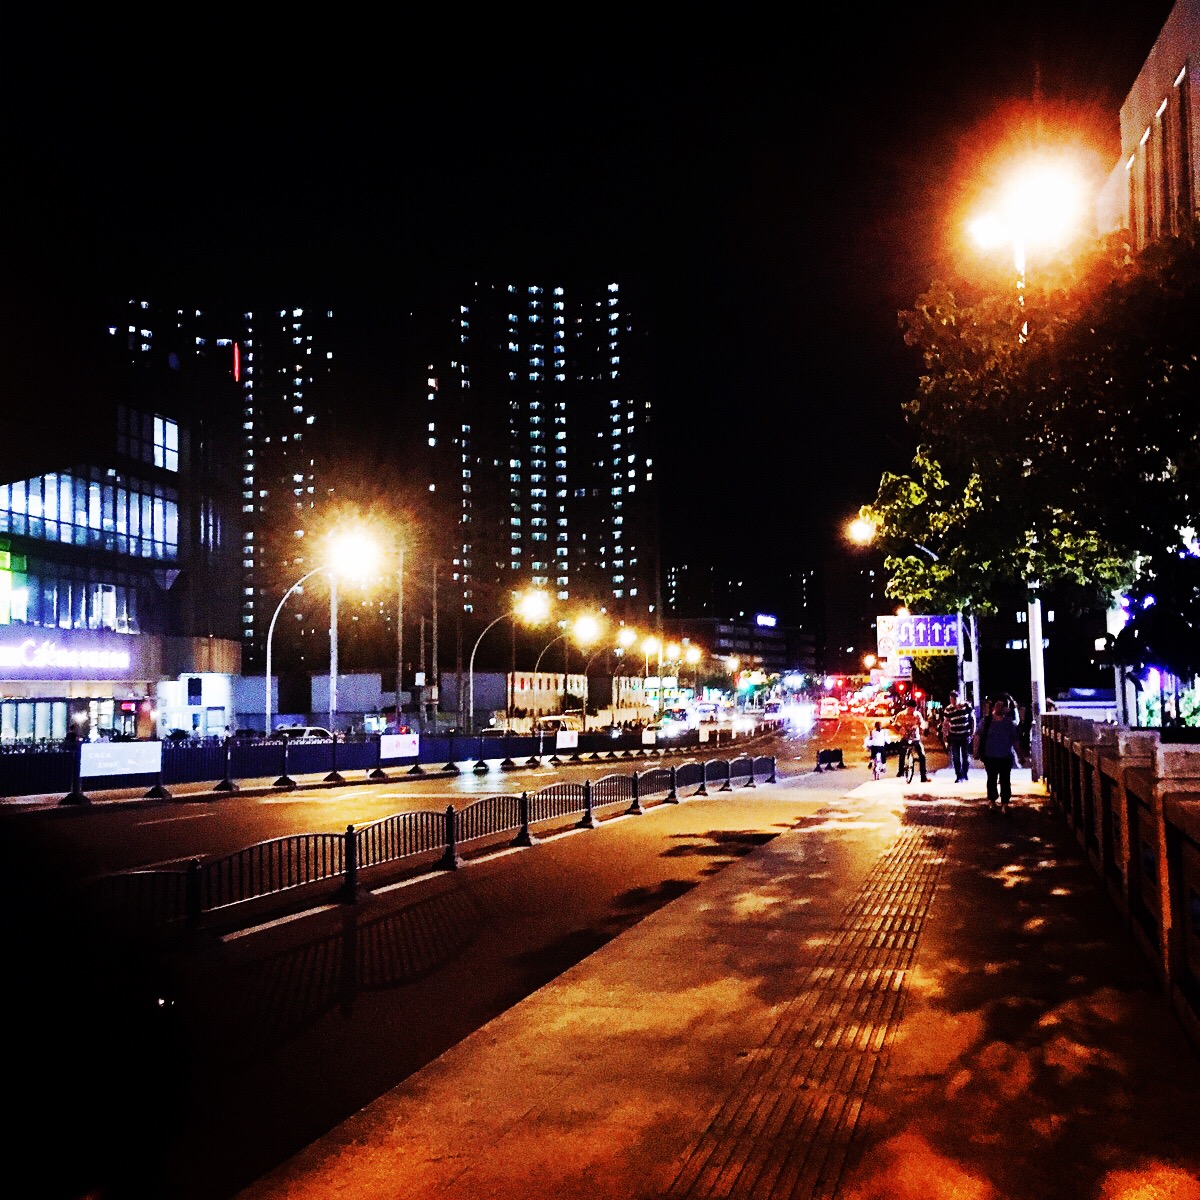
1154 187
118 534
539 448
285 370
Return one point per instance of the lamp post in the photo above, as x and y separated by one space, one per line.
587 666
585 631
625 638
399 630
651 645
1041 204
350 553
692 656
271 633
532 607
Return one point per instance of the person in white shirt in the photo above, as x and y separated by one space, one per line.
876 744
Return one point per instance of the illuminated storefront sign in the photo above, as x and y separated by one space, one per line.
49 654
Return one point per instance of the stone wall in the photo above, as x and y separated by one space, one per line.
1133 803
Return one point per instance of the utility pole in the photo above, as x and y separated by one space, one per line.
433 656
458 664
421 677
399 632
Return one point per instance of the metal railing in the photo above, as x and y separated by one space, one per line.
144 901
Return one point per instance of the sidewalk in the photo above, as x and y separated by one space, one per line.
906 995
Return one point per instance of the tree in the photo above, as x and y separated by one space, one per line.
1058 440
1019 415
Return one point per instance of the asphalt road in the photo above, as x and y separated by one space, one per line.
188 1073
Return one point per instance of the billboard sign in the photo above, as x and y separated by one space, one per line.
398 745
119 758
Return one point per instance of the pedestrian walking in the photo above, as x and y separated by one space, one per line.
910 725
958 728
998 742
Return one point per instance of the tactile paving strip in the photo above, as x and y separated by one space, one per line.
786 1128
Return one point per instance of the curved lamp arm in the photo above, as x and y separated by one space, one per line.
547 647
270 632
471 671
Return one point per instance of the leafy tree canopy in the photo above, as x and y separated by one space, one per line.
1058 432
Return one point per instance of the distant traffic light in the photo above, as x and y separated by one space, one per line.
920 695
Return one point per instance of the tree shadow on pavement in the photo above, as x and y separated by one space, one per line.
1038 1056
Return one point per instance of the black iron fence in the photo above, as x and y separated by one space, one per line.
178 898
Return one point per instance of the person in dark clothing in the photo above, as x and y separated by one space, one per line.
999 741
958 727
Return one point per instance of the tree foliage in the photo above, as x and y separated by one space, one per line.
1058 438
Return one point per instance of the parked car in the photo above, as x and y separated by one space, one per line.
296 732
553 723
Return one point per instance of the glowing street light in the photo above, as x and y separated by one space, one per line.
532 608
861 531
1041 206
585 630
350 554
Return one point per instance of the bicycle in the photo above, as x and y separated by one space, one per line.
878 766
910 762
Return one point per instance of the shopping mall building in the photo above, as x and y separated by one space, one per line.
119 538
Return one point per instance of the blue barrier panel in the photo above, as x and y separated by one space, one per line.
193 762
35 772
256 760
309 758
356 755
435 748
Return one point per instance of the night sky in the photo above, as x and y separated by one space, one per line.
778 189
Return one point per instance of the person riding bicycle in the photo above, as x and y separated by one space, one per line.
876 744
910 725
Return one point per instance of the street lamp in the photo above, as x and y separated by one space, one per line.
399 630
585 631
1040 206
651 645
692 656
532 607
626 636
352 554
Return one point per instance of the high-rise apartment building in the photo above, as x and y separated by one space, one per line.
280 361
539 436
288 442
